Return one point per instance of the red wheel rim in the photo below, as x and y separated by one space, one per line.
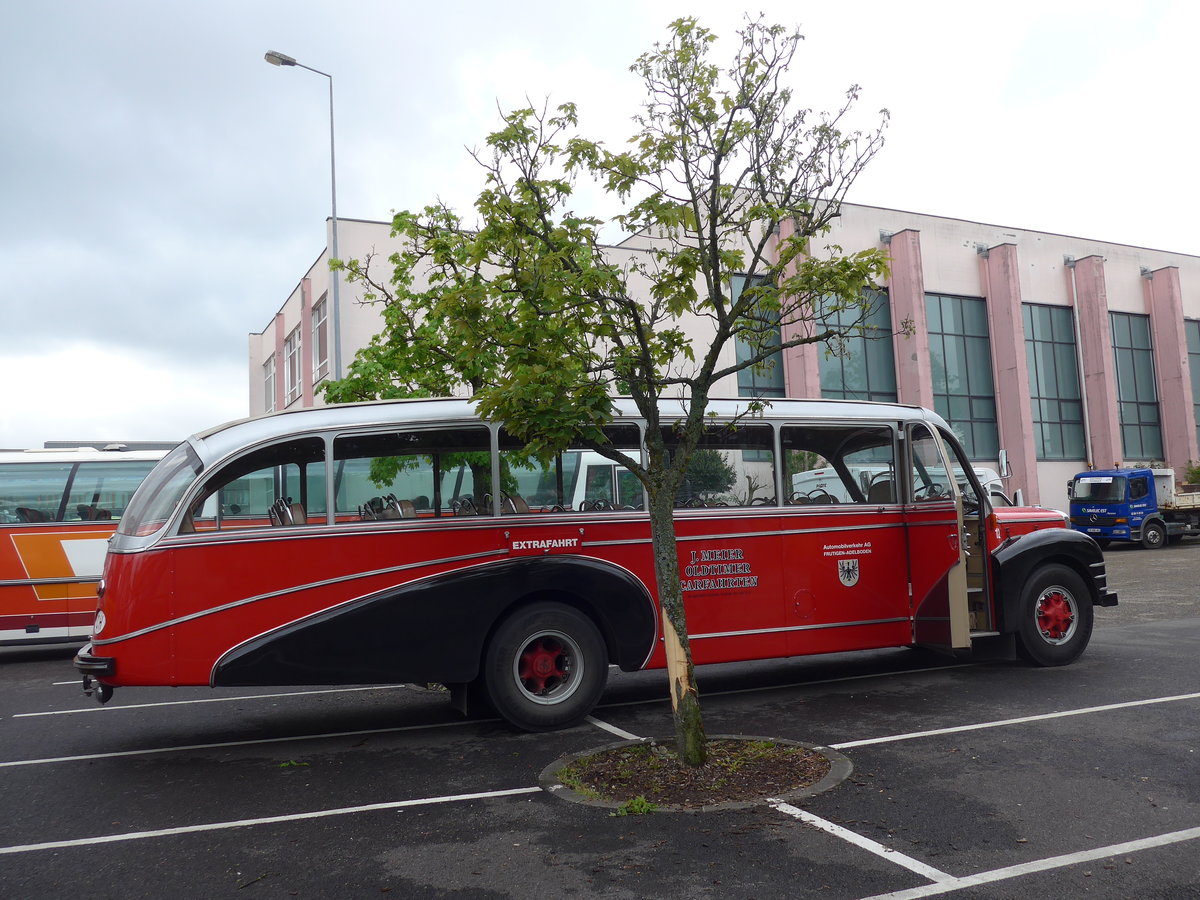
1055 615
547 668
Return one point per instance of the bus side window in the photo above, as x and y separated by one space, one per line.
251 491
929 479
826 464
101 490
412 474
734 465
577 479
33 492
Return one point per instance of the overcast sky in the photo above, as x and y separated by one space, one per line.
164 188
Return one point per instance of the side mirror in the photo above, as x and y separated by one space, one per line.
1005 471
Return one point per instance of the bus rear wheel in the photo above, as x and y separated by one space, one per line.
545 667
1056 616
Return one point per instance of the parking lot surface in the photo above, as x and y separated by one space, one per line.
971 780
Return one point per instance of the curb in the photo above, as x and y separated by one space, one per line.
840 768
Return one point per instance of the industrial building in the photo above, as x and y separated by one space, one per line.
1065 352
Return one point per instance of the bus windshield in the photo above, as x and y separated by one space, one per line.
156 499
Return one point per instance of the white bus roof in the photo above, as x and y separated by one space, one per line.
217 443
77 454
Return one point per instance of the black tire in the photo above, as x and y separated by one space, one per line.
1154 536
545 667
1056 616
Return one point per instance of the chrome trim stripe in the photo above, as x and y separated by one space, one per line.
1055 521
34 582
292 590
794 628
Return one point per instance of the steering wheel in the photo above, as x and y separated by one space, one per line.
931 491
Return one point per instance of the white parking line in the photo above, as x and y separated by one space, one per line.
865 843
613 729
92 709
265 820
1041 865
1087 710
221 745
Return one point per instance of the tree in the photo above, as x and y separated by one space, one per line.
544 324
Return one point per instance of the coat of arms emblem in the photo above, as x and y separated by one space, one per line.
848 572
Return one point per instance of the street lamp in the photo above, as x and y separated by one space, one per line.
282 59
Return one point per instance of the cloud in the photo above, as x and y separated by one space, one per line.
112 395
165 188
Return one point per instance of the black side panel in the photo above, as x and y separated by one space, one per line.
435 629
1012 565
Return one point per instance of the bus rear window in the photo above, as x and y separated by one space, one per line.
155 500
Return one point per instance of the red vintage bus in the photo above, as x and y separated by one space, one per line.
58 508
409 541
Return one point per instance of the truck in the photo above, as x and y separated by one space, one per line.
1139 505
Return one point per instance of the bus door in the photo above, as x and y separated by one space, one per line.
937 555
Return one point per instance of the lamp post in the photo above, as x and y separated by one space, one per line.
282 59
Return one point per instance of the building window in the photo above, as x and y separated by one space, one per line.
961 359
291 365
320 340
766 378
1056 404
269 384
1192 328
1137 394
864 365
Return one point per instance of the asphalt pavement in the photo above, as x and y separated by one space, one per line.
970 780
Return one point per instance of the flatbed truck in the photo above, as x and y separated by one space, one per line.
1139 505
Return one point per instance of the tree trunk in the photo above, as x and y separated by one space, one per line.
685 700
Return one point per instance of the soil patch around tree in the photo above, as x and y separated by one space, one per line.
646 775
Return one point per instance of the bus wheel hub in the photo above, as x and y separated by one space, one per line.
1055 615
542 665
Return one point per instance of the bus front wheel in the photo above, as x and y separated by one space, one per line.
545 667
1056 616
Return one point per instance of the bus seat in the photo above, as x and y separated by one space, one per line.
398 509
299 516
881 492
514 503
29 514
280 512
